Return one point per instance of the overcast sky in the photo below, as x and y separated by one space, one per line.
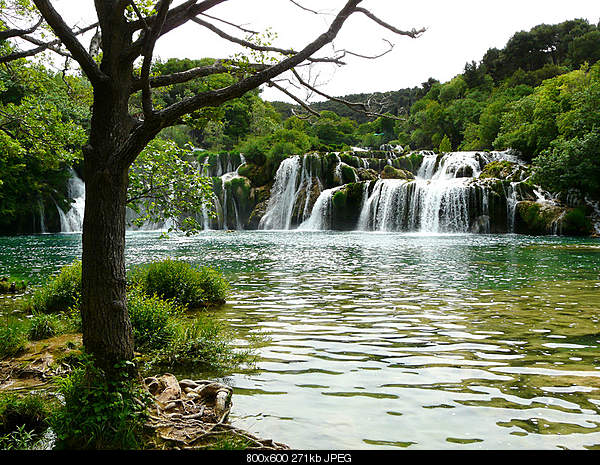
457 31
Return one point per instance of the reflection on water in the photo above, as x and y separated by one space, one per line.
396 340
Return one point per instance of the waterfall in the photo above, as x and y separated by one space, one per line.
511 205
72 221
595 206
320 218
442 198
283 196
43 228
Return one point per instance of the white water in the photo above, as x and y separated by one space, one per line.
283 195
72 221
439 200
320 218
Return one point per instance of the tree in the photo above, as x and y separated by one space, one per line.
127 31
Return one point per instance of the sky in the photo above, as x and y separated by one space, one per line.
458 31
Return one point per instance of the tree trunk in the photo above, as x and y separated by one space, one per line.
107 332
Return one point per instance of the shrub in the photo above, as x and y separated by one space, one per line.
152 319
13 338
100 413
60 293
182 282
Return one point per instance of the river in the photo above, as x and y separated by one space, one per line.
392 340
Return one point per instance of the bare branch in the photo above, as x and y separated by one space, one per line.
42 46
150 38
293 97
219 67
260 48
145 131
304 8
367 57
414 33
69 39
10 33
237 26
359 107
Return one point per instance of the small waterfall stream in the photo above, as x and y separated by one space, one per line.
72 221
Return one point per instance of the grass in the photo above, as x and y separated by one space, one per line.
24 413
11 285
182 282
13 337
202 345
61 293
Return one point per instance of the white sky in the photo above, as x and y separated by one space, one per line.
458 31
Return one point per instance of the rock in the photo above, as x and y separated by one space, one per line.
389 172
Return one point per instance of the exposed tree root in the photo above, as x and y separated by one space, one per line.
191 414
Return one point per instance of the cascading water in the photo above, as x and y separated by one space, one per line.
72 221
283 196
442 198
320 218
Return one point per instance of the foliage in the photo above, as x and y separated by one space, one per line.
42 130
165 184
153 320
99 413
11 285
13 338
182 282
61 293
201 344
20 439
28 412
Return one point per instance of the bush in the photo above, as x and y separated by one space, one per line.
152 319
60 293
181 282
13 338
97 413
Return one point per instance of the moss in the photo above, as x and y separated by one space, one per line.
339 200
348 174
498 169
575 223
389 172
536 219
258 175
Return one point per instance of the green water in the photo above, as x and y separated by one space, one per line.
396 340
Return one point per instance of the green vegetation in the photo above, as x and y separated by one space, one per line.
13 337
100 414
153 320
61 293
29 412
191 286
201 344
11 285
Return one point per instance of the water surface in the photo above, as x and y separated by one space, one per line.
381 340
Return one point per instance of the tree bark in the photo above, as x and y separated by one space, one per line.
107 331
